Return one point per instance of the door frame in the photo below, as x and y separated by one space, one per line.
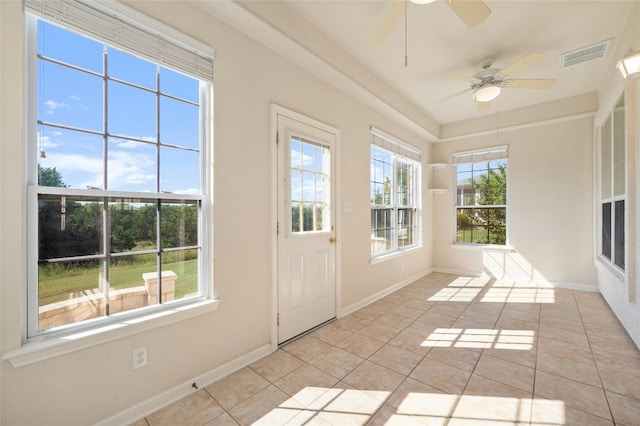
275 111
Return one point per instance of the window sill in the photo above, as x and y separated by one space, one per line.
394 255
483 247
37 351
611 268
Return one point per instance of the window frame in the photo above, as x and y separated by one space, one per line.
489 154
396 149
613 199
133 318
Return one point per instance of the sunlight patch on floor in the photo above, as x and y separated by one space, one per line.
521 340
511 293
336 406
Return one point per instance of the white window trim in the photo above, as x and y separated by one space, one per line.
398 148
506 247
46 346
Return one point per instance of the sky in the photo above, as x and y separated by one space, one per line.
75 98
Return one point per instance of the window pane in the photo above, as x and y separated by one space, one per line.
70 292
308 186
131 166
179 85
69 226
618 149
71 159
496 226
179 171
406 227
184 264
132 112
381 231
296 154
133 225
77 105
295 217
296 185
605 160
54 42
179 224
131 69
179 123
619 234
133 282
606 230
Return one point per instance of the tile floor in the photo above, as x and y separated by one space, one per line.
444 350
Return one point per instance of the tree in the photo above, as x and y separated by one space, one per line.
49 176
493 192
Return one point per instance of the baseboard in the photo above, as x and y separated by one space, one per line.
379 295
169 396
458 272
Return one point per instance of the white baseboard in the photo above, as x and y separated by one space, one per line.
379 295
169 396
549 284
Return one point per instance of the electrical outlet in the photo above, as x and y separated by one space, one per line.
139 357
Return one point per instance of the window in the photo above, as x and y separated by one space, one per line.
119 184
395 195
613 187
481 196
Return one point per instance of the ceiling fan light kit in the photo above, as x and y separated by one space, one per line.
486 93
630 65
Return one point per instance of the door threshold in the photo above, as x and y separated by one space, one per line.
311 330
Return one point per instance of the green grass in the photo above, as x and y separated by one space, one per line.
57 284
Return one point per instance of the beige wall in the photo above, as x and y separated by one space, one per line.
550 206
89 385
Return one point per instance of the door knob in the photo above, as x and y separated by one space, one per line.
332 240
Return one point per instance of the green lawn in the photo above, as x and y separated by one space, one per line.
57 284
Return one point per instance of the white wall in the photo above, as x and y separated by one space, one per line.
550 206
89 385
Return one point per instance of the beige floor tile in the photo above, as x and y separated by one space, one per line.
414 398
462 358
396 359
336 362
506 372
480 409
270 406
622 345
349 406
306 348
565 324
387 416
420 304
565 350
237 387
360 345
483 386
555 413
518 354
621 381
574 394
378 331
195 409
369 376
626 411
331 334
394 298
435 319
410 342
561 312
609 359
305 383
449 309
277 365
141 422
570 369
510 312
223 419
575 337
441 376
407 312
351 322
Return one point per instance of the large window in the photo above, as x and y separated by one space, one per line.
481 196
119 183
395 195
613 187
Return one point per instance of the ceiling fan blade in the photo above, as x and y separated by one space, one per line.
460 77
451 96
522 63
532 83
471 12
483 106
388 23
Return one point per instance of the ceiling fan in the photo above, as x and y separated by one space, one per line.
471 12
487 83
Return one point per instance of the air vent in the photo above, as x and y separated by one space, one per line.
585 54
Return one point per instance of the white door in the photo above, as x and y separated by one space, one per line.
306 232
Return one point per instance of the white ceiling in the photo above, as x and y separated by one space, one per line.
439 43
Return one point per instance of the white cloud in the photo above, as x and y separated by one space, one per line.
52 106
74 98
45 141
306 159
